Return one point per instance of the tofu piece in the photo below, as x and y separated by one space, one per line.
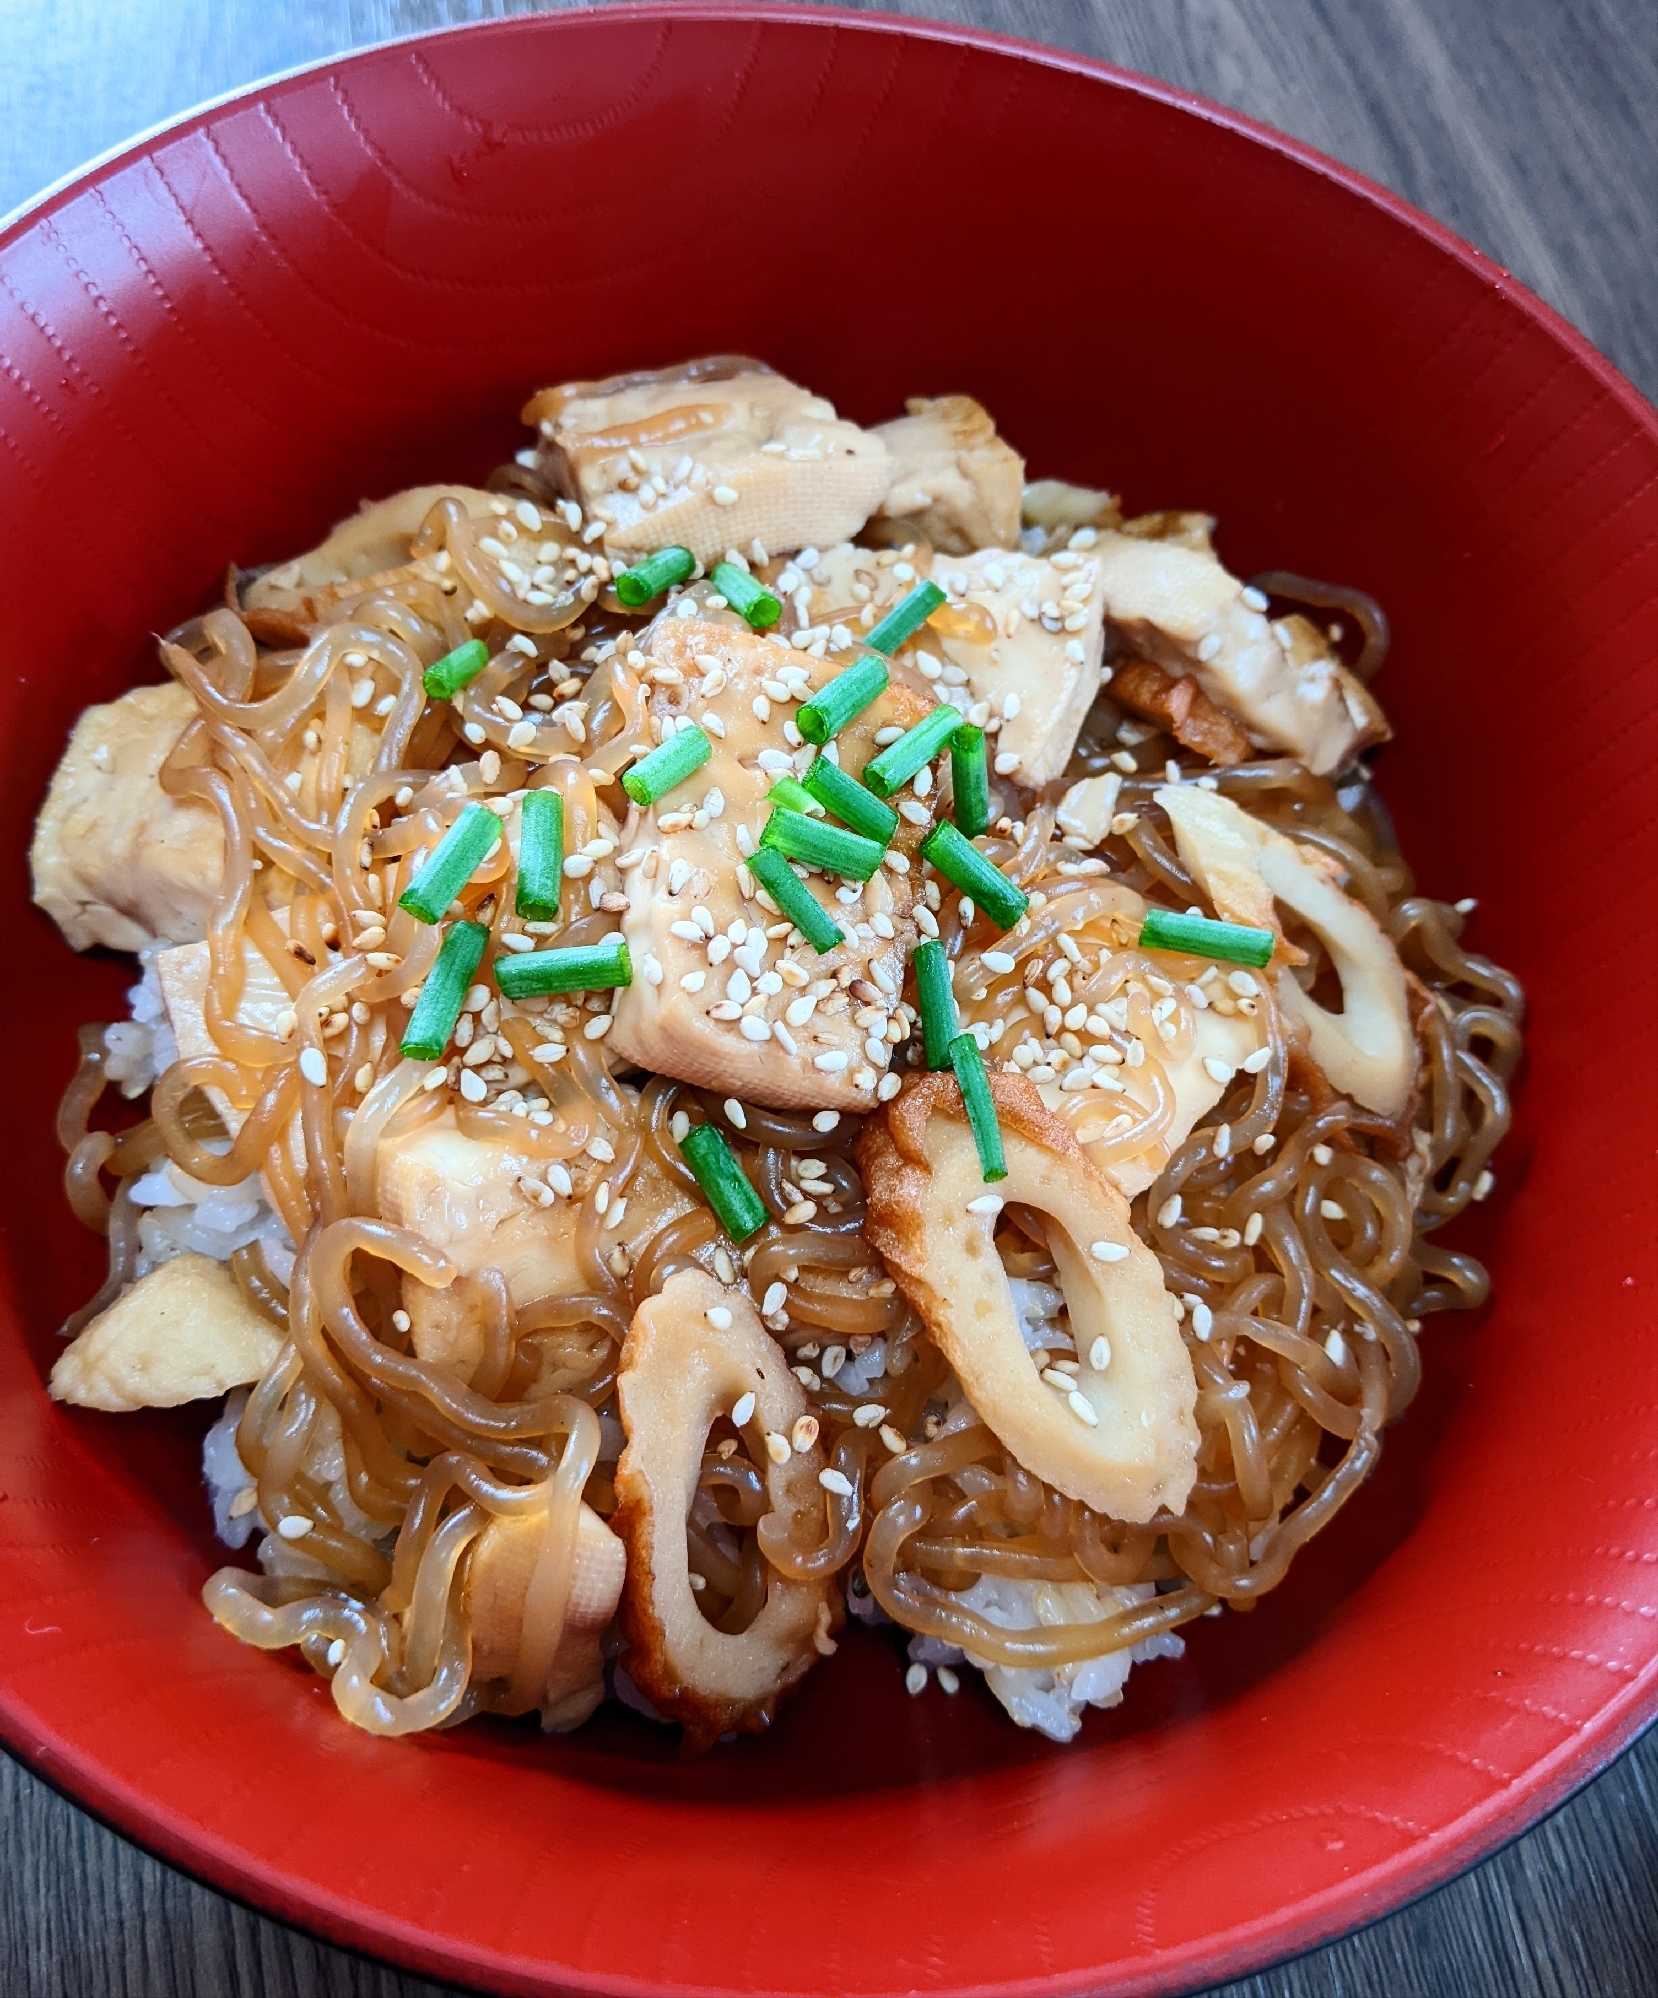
741 454
844 584
1040 639
952 475
369 544
1223 1038
469 1198
182 1333
115 860
183 975
688 1010
1177 606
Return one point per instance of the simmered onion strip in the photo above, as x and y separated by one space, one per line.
1123 1441
681 1370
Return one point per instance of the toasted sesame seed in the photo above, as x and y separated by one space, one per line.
804 1433
777 1447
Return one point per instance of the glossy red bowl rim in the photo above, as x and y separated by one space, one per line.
1272 1938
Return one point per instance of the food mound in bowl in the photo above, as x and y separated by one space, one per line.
763 1019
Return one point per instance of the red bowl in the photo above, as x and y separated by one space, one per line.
345 281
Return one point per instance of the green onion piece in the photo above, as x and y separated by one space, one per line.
969 781
654 776
795 899
830 847
959 860
447 983
831 787
979 1104
791 792
738 1207
573 968
1232 943
445 677
540 856
907 615
651 577
940 1022
749 599
847 695
457 857
900 760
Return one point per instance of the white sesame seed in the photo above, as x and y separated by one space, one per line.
777 1295
894 1439
915 1680
1006 763
1108 1252
597 1027
1242 984
1483 1185
887 1088
1322 1155
1203 1319
753 1028
313 1065
1099 1354
831 1062
742 1412
336 1651
1466 906
725 496
868 1414
826 1120
1336 1346
1264 1143
949 1681
835 1481
1252 1231
1217 1070
986 1203
1332 1210
1253 1064
295 1526
1082 1408
1223 1141
1253 597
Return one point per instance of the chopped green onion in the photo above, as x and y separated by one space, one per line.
654 776
969 781
736 1205
845 696
940 1022
795 899
907 615
651 577
447 983
457 857
979 1104
1232 943
829 847
959 860
900 760
830 786
573 968
749 599
540 856
445 677
791 792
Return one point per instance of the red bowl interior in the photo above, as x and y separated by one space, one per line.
220 340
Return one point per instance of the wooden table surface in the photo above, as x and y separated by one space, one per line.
1531 127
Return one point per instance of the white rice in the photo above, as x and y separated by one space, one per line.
1053 1701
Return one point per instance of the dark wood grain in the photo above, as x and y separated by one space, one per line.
1531 127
